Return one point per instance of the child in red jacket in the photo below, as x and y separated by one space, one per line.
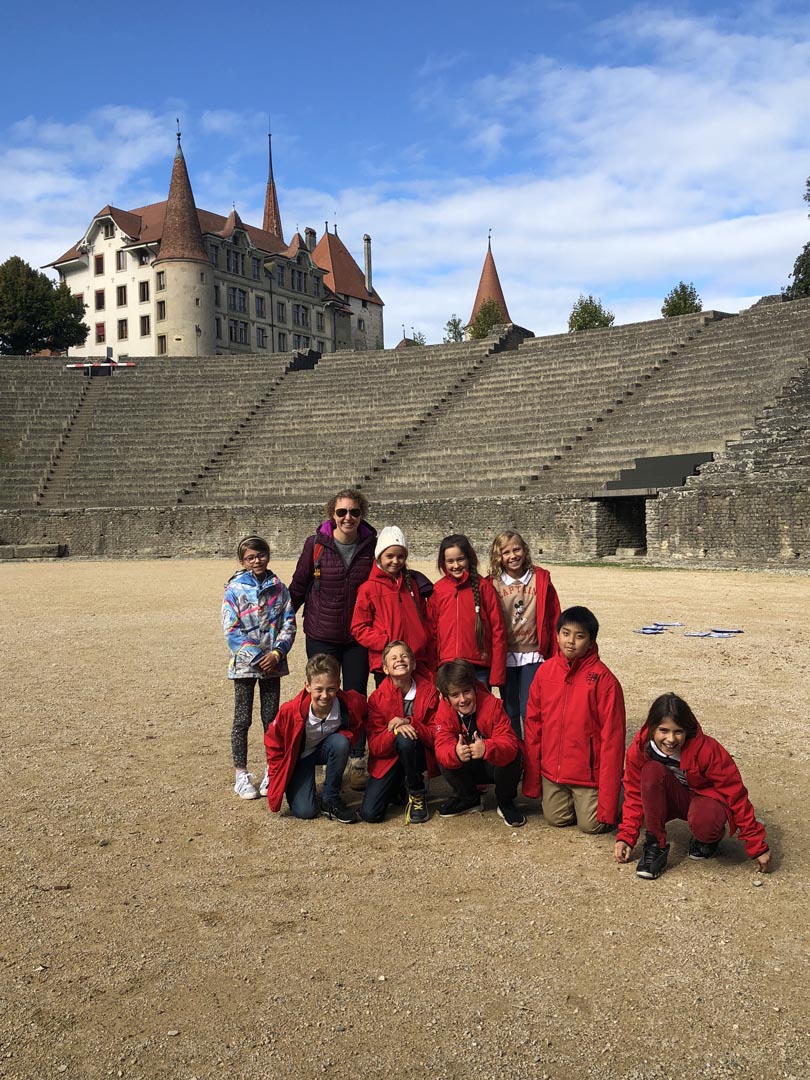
390 606
675 771
465 613
475 745
575 730
400 736
530 609
318 727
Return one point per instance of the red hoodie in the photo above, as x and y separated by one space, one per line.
493 724
710 771
575 730
284 736
387 610
383 705
451 610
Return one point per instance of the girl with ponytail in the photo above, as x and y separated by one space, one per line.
465 613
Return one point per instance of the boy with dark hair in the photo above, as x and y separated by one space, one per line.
318 727
575 730
475 744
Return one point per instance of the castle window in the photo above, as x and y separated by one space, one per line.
300 315
320 346
99 299
146 326
261 337
319 320
161 280
281 311
143 257
316 286
280 278
256 267
98 265
161 310
123 329
161 345
120 260
361 324
259 307
109 230
121 296
143 291
282 342
218 327
202 277
217 297
364 303
213 254
235 261
100 333
300 341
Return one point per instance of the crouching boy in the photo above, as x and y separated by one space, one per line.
475 744
318 727
575 730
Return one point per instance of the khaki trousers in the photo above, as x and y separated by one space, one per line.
567 805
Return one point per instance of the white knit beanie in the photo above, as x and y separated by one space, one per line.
390 536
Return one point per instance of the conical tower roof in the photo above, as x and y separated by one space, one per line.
181 237
272 215
489 287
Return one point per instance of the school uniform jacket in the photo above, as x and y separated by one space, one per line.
451 610
494 726
257 617
387 610
383 705
710 770
575 730
329 599
547 610
284 736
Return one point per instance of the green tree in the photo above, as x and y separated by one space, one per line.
35 313
589 314
453 329
490 315
800 286
419 338
682 300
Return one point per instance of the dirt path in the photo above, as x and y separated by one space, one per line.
155 926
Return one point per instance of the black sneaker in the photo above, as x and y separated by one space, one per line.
653 858
701 851
460 805
337 810
417 812
510 814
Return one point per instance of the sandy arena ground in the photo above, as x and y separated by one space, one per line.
156 926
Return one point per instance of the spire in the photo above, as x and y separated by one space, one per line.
181 238
272 214
489 287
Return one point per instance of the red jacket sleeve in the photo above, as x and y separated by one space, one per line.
493 614
446 729
380 740
365 627
632 810
502 745
547 633
532 735
275 745
725 778
358 710
613 720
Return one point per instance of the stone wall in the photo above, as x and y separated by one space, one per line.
557 526
751 524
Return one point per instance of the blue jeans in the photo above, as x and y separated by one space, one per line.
333 752
409 769
518 684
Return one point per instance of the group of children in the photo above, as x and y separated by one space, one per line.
558 722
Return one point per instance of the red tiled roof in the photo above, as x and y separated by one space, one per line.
272 215
343 275
232 223
489 287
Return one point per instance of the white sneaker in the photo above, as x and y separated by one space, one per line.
265 784
244 787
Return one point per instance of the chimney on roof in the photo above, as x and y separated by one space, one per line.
310 237
367 254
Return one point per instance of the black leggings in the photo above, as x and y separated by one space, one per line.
269 697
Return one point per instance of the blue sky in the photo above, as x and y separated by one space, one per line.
613 149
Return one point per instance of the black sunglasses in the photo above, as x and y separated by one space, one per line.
343 512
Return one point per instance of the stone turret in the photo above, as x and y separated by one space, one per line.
184 270
489 287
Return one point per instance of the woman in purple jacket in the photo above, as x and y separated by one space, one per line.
335 562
